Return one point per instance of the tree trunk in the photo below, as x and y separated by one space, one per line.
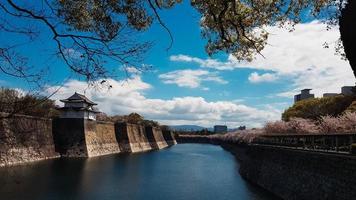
348 32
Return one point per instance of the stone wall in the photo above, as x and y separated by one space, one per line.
169 137
85 138
155 138
290 173
69 137
132 137
24 139
295 174
100 138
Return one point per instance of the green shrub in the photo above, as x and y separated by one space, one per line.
16 102
352 107
318 107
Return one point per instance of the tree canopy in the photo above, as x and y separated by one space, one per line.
132 118
88 33
238 26
15 102
318 107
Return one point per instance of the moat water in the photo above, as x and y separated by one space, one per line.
181 172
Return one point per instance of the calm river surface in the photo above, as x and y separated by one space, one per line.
182 172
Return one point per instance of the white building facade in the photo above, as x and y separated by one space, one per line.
78 106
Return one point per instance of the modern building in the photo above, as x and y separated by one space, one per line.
330 94
347 90
305 94
220 129
78 106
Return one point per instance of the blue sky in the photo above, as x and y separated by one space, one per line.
187 87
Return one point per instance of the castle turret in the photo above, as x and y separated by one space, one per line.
78 106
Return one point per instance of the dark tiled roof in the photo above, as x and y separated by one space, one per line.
78 109
78 98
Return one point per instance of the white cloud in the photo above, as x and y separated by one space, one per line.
132 70
190 78
267 77
128 96
298 56
238 100
206 63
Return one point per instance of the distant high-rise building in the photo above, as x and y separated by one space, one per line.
305 94
330 94
220 129
347 90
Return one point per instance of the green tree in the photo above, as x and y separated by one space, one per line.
134 118
318 107
352 107
15 102
8 99
165 128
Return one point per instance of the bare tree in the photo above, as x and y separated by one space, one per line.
86 35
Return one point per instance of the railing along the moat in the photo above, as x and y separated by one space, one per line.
336 143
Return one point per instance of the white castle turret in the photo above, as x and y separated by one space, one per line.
78 106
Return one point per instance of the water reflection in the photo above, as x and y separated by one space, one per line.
185 171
